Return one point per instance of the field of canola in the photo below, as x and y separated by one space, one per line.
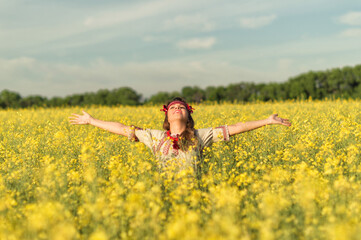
62 181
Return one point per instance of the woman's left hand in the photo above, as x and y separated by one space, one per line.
274 119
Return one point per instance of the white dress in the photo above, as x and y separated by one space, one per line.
161 146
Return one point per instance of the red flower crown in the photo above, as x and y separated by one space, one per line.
189 108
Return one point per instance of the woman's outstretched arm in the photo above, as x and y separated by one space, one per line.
248 126
113 127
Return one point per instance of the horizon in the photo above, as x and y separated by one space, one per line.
154 46
142 98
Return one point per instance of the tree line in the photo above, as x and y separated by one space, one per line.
334 83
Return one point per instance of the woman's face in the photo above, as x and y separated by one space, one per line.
177 112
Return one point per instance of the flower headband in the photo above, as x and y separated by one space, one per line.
189 108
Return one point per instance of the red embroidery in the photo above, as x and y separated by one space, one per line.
225 133
166 148
174 140
175 151
161 142
167 143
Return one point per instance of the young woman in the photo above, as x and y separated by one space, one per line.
179 143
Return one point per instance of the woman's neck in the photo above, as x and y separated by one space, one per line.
177 128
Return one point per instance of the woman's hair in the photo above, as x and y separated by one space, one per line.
188 137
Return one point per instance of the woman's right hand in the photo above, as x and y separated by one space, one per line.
80 119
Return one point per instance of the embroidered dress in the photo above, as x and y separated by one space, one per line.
168 154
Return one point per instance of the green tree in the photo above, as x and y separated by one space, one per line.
356 91
101 96
308 84
56 102
124 96
9 99
321 85
240 91
75 100
193 94
159 98
89 98
334 80
348 82
215 93
36 101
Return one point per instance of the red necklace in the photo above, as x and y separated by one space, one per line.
174 140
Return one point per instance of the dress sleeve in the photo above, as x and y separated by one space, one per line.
146 136
207 136
131 136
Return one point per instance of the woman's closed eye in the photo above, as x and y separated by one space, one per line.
182 107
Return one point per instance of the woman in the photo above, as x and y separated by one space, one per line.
179 144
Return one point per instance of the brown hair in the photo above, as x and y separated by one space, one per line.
188 137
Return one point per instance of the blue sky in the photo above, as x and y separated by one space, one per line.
57 48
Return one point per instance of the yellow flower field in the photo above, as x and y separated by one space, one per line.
63 181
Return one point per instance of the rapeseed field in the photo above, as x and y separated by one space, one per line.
63 181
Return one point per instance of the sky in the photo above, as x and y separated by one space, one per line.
62 47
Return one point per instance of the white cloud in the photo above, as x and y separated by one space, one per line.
135 12
158 39
192 22
352 32
351 18
197 43
130 14
149 38
284 64
257 22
